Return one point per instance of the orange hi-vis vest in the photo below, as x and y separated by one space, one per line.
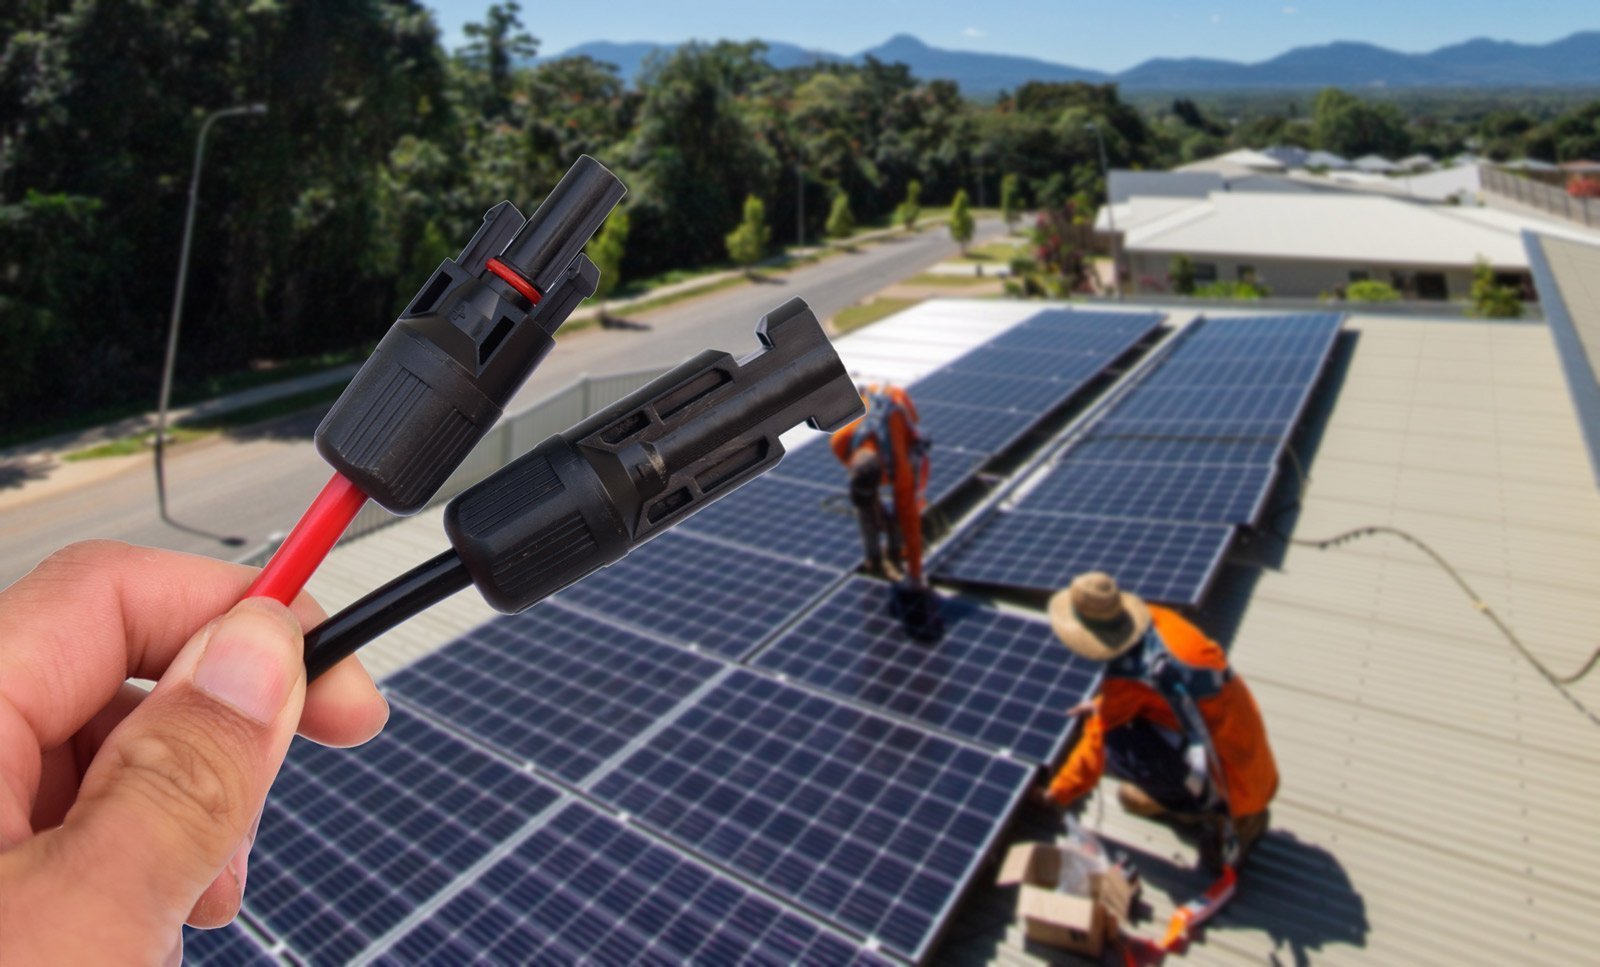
900 467
1237 734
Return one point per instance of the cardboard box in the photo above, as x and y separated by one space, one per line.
1084 924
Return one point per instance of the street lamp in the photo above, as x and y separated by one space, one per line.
177 305
1111 212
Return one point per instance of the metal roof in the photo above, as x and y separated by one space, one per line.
1438 796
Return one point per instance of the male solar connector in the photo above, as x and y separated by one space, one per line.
442 375
586 497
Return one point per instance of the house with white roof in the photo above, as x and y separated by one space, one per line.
1310 244
1376 164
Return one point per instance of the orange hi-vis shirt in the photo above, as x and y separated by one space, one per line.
1237 732
907 503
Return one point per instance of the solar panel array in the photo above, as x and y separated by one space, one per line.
970 409
995 678
1153 492
599 779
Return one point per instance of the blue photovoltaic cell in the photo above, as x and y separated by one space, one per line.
813 463
870 823
556 688
1177 428
354 840
1027 364
996 678
1166 562
787 518
723 599
229 946
1032 396
1212 404
951 471
979 429
1204 493
584 888
1137 443
1207 373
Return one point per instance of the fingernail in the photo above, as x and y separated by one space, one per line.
246 664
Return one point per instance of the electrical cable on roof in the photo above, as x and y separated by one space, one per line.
1479 604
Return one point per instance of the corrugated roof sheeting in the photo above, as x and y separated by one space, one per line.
1440 800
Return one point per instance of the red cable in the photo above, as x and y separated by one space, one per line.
310 541
509 276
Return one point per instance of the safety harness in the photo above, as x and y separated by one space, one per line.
1182 685
881 406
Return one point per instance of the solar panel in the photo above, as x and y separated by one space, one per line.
229 946
556 688
995 678
353 840
794 520
722 599
1127 325
1134 443
1026 363
979 429
1207 373
1261 338
813 463
1213 404
1216 493
869 823
584 888
1167 562
1182 428
1032 396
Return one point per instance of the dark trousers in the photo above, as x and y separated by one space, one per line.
1151 758
877 527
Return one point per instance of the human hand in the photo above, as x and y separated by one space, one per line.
125 814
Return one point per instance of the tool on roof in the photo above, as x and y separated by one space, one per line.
441 376
586 497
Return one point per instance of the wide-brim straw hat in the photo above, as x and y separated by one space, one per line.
1096 619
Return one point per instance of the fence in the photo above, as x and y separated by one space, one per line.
509 439
1537 194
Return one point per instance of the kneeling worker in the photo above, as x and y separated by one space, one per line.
884 447
1172 720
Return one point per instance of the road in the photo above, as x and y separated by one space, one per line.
254 482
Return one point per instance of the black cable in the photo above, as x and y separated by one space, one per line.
1559 682
409 594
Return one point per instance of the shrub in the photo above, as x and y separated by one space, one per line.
1237 291
1371 290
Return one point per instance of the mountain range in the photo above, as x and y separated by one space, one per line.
1571 62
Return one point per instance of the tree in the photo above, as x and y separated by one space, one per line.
1347 125
606 250
1010 202
910 209
1064 267
748 242
841 222
961 220
1490 299
496 46
1181 275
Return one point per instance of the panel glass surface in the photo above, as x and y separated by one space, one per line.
994 677
870 823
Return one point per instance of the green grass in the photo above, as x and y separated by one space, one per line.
951 281
995 253
857 317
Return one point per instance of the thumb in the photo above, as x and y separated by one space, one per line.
177 786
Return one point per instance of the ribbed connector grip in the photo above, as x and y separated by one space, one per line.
584 498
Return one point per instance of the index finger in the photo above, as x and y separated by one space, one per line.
95 614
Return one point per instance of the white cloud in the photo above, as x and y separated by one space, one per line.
973 32
1216 18
1290 11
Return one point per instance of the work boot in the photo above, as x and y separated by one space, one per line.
1249 830
1137 802
892 571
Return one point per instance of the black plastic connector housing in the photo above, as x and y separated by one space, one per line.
442 375
585 497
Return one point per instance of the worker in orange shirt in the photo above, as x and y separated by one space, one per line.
883 447
1172 720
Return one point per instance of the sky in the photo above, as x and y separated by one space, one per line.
1109 35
